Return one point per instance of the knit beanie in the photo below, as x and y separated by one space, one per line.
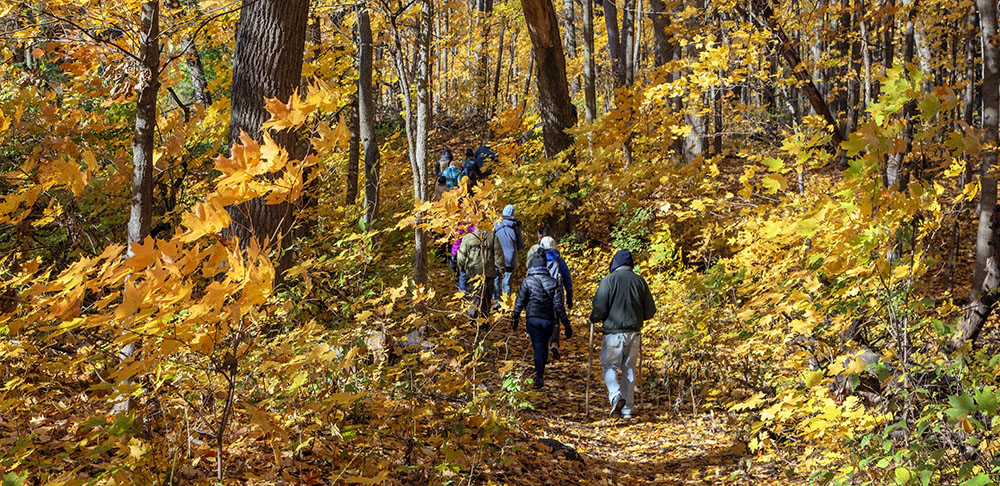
508 211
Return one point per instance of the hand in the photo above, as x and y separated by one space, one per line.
569 305
513 323
569 332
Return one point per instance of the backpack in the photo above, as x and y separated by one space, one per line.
470 170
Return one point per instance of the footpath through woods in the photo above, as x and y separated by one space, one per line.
557 443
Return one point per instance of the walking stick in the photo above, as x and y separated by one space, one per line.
590 362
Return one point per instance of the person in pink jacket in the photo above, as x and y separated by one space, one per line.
462 231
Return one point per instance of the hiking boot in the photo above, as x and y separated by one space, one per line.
538 384
553 353
617 409
627 416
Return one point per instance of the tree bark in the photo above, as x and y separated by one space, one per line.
267 63
986 273
196 70
143 141
353 154
615 48
787 49
589 74
550 75
423 125
366 114
663 46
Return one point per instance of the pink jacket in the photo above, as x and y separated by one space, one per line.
458 242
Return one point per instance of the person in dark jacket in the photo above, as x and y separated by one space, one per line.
541 297
559 271
623 301
470 168
508 232
486 159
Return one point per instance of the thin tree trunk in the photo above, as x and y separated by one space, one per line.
143 141
986 273
196 70
423 125
589 75
353 154
615 51
969 94
569 16
664 48
366 114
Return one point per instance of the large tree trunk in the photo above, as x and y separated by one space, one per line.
366 114
143 140
986 273
589 74
267 63
550 75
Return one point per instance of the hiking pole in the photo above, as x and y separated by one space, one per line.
590 362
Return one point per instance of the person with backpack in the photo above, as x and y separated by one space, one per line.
542 231
452 174
481 258
455 245
508 232
560 272
486 160
541 298
444 162
622 303
470 168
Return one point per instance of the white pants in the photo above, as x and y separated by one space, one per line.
620 352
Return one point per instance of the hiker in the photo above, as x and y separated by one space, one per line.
470 168
440 188
541 232
560 272
541 297
455 245
452 174
481 258
444 162
508 232
622 303
486 159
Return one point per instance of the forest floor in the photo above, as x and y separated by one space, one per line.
658 446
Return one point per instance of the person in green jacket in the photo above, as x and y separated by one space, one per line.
623 301
481 258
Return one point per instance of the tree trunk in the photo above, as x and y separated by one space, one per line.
366 114
423 125
143 141
267 63
589 75
550 75
969 95
196 70
986 273
664 48
785 46
615 48
569 15
353 154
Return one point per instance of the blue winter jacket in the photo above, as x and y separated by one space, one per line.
508 232
452 176
560 272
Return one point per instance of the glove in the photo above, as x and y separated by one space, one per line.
569 332
513 323
569 305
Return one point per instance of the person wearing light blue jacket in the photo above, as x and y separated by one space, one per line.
508 232
559 271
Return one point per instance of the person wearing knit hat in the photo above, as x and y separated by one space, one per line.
622 302
541 297
508 233
560 271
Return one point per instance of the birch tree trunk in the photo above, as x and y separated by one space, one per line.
589 74
366 114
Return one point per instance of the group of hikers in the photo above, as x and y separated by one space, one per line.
485 261
449 171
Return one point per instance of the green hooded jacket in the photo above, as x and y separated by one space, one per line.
623 300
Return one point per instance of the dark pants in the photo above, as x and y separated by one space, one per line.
481 290
540 331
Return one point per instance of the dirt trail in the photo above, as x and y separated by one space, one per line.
659 446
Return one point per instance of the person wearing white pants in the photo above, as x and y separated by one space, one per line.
622 302
620 352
